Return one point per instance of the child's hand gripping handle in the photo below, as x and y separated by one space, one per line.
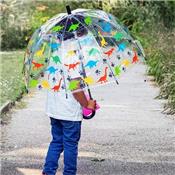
90 111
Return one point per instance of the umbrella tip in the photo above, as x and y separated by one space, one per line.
68 9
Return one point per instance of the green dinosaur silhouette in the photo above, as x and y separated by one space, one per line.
93 51
73 85
73 27
88 20
57 28
118 36
117 70
33 83
56 59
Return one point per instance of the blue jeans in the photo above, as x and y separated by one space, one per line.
65 137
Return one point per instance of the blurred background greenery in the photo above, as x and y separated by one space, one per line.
152 22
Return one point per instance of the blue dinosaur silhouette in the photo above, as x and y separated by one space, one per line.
106 26
52 70
91 64
121 47
54 46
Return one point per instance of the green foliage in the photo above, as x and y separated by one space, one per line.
12 84
39 16
14 38
161 61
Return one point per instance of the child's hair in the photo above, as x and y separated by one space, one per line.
82 30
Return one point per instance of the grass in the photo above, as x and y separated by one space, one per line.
11 75
159 47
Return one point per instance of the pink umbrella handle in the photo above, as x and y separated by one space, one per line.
89 113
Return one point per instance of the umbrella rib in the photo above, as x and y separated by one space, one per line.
83 68
62 43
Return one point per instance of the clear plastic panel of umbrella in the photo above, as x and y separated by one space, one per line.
89 44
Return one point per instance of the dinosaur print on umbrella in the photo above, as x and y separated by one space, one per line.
89 80
51 70
93 52
57 28
118 36
71 53
135 59
54 46
37 65
73 27
106 26
45 84
125 62
73 84
109 52
40 52
91 63
72 66
103 78
56 59
121 47
102 41
33 83
56 88
117 70
88 20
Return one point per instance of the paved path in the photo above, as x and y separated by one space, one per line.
128 136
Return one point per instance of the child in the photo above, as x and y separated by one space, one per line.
66 120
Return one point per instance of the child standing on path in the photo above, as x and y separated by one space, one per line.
65 130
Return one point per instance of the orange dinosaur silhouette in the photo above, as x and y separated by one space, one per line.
109 52
57 87
103 78
72 66
37 65
135 59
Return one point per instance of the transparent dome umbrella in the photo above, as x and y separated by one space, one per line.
84 43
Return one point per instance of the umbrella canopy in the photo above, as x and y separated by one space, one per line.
86 43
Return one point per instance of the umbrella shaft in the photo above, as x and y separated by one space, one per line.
83 68
90 96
